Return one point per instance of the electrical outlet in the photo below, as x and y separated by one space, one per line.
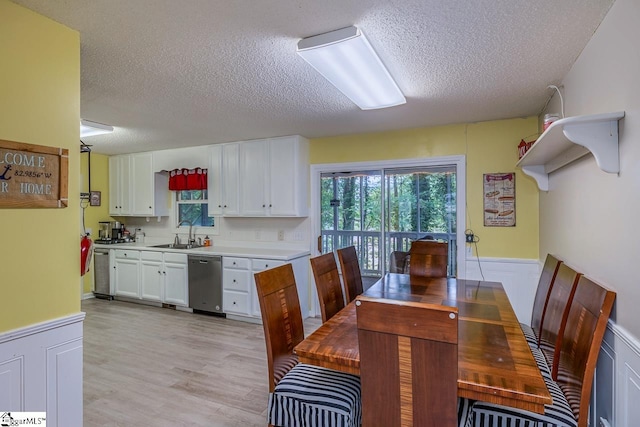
280 234
469 237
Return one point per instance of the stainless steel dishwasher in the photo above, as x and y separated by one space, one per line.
205 284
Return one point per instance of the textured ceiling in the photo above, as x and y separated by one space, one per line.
169 73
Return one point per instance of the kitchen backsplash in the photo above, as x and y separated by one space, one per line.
295 232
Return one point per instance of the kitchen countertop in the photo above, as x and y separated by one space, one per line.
242 252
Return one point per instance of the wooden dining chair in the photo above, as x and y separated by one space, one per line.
399 262
325 273
350 267
299 394
571 392
555 317
408 363
545 284
429 258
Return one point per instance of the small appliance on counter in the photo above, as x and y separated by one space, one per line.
110 232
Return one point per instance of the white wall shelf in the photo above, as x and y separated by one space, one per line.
569 139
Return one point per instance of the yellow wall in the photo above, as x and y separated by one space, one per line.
94 214
488 146
39 104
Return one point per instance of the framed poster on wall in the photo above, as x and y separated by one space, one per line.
499 190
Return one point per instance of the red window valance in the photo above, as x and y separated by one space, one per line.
188 179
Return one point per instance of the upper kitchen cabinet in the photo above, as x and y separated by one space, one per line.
274 177
119 189
134 189
223 179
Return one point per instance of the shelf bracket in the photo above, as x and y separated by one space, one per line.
601 138
538 173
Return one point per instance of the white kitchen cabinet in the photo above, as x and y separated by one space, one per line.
235 286
274 177
176 279
223 179
119 178
151 278
258 265
149 190
240 296
127 273
134 188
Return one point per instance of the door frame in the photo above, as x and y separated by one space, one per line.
461 190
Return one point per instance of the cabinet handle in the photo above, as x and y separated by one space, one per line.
225 206
270 205
266 266
234 263
149 207
234 303
219 206
264 206
164 272
234 280
159 272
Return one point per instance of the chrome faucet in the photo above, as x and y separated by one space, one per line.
191 239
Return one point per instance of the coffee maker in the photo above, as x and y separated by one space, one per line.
110 232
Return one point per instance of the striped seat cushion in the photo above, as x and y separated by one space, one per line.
464 412
541 361
313 396
558 414
531 337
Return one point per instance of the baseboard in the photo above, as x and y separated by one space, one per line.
616 387
41 370
88 296
518 276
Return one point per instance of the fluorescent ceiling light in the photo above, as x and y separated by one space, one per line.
347 60
88 128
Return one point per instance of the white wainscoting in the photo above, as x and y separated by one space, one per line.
616 388
518 276
41 370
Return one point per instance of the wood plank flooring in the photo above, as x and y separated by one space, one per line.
149 366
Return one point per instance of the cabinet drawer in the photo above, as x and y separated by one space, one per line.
174 257
151 256
235 302
237 280
265 264
127 254
239 263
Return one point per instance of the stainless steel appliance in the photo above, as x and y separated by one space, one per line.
102 288
205 284
109 232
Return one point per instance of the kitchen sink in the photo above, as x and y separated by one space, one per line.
178 246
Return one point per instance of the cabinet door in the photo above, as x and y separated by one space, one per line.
141 184
176 283
230 179
127 280
151 280
119 177
215 179
258 265
253 165
288 176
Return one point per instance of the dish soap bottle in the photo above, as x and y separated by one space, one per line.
207 241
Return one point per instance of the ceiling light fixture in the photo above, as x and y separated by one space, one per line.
88 128
347 60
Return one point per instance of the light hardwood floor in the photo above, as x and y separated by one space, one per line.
149 366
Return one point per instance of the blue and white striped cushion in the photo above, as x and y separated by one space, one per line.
531 337
464 412
314 396
558 414
541 361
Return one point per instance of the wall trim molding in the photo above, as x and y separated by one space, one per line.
504 260
38 328
88 295
624 335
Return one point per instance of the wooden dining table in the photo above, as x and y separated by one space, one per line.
495 363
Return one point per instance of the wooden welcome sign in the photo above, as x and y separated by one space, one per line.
33 176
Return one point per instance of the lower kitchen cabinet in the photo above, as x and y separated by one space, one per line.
126 273
240 297
152 276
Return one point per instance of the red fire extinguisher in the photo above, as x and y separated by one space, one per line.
86 252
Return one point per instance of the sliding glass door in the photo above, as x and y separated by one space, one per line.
380 211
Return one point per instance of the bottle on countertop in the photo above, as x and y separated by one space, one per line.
207 241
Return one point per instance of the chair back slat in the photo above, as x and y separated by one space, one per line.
408 363
555 317
351 275
586 325
428 258
545 284
281 319
398 262
325 273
